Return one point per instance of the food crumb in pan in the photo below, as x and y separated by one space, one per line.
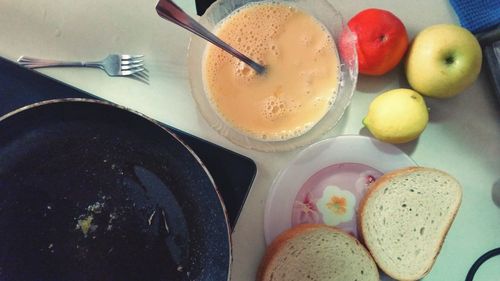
150 220
85 225
112 217
84 222
164 217
51 248
96 207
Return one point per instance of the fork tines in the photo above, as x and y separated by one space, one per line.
134 64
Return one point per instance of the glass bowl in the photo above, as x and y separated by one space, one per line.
331 19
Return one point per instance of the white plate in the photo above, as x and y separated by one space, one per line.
329 160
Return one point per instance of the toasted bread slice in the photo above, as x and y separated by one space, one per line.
404 218
314 252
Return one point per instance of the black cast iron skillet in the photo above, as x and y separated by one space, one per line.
91 191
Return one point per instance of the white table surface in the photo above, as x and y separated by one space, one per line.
462 138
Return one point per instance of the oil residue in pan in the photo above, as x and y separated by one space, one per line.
112 220
147 197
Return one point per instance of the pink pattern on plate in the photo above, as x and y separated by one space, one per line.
306 211
354 178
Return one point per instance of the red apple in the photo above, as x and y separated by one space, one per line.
382 40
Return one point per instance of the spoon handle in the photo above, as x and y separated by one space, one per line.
168 10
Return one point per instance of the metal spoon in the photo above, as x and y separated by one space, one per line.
173 13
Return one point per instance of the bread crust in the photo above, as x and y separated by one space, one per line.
291 233
380 183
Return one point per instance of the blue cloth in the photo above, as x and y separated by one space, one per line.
477 15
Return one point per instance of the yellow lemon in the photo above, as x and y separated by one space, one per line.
397 116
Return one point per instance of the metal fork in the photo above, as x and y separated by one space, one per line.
114 65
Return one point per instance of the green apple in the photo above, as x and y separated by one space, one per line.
443 60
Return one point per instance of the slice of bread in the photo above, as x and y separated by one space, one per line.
404 218
314 252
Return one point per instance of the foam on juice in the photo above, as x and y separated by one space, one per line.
302 74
